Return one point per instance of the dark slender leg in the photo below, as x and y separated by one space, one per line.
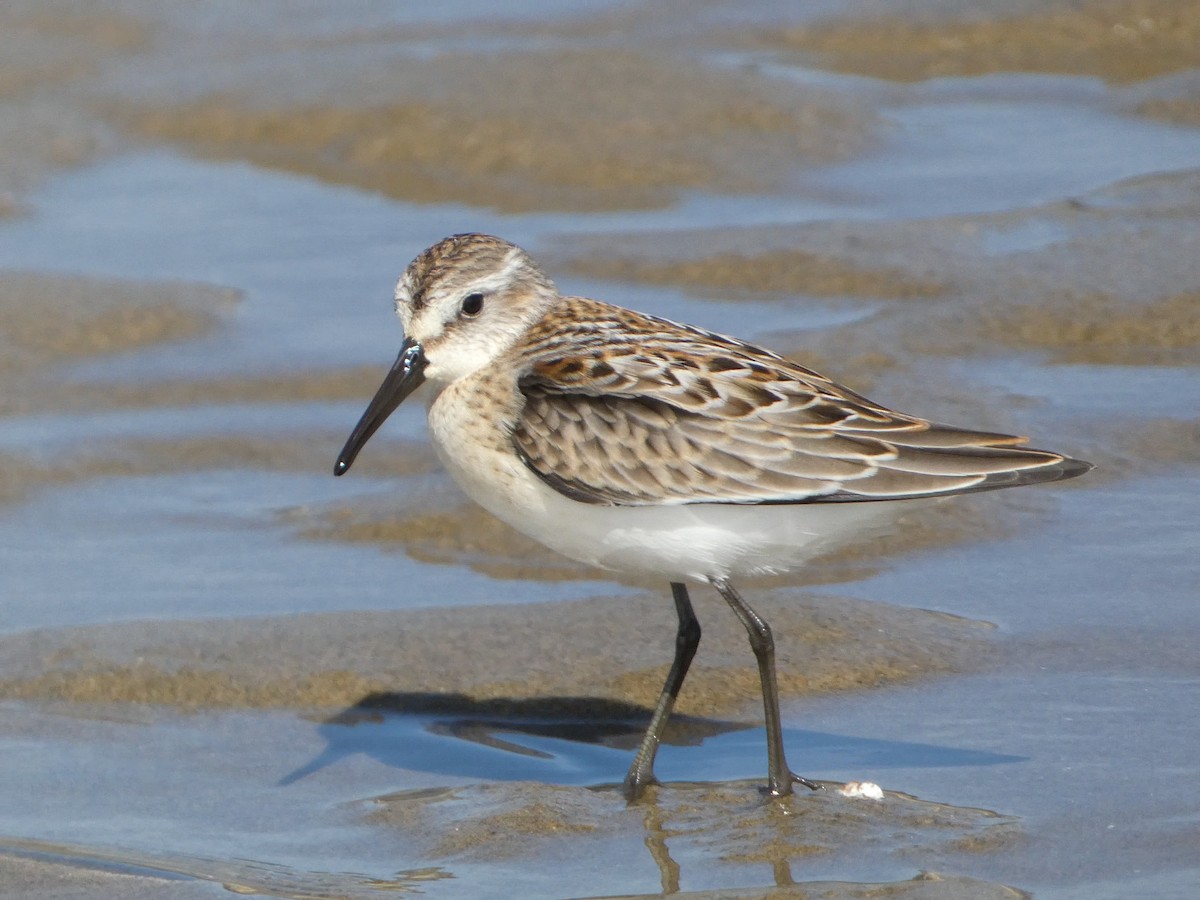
780 778
687 639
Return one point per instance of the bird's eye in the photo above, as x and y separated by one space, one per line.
472 304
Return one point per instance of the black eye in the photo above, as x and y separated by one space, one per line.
472 304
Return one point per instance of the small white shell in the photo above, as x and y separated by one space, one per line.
868 790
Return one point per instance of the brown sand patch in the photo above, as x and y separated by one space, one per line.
46 319
823 645
587 130
1118 40
723 824
608 649
515 825
190 689
778 272
1100 329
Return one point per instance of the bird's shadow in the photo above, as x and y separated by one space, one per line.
573 740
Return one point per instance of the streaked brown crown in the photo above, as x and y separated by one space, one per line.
460 258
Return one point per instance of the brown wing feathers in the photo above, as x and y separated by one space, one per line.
686 416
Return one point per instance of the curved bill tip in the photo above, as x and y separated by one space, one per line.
405 376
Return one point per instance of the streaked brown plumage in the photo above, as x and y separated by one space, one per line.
654 412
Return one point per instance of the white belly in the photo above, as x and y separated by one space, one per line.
688 542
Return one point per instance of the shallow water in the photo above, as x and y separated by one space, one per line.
1059 759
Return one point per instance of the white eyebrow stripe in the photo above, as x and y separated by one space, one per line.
499 278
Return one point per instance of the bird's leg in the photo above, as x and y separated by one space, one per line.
780 777
687 639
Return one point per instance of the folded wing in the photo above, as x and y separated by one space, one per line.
679 415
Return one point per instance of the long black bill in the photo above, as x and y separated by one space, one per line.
406 376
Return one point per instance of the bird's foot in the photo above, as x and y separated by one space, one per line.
634 788
811 785
782 787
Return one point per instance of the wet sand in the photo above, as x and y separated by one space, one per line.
34 879
511 820
606 649
581 131
784 272
94 317
50 56
497 718
1118 40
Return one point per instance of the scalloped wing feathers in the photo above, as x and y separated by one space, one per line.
622 408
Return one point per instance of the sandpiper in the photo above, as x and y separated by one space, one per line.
641 445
